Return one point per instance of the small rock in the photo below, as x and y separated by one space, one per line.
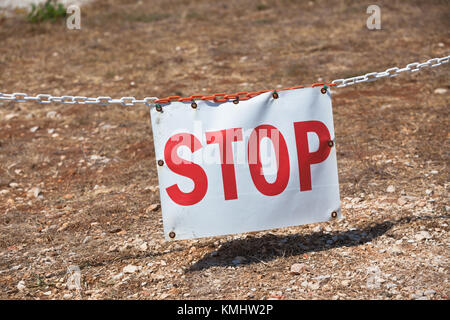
152 208
423 235
11 116
396 250
238 260
421 204
390 189
115 229
34 192
143 246
53 115
297 268
402 201
87 239
130 269
345 283
117 276
13 185
214 254
67 296
152 188
64 226
107 126
47 293
34 129
21 285
428 192
429 292
440 91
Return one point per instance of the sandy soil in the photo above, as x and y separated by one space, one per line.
78 184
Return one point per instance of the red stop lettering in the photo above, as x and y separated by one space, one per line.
224 139
306 158
282 157
186 169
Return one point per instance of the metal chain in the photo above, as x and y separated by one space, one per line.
391 72
148 101
47 98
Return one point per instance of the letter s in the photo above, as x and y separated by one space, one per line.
186 169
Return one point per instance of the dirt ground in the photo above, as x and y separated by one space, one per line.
78 184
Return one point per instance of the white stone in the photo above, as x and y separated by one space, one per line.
423 235
87 239
143 246
297 268
21 285
390 189
34 192
34 129
440 91
130 269
53 115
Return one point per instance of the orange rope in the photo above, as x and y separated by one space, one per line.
223 97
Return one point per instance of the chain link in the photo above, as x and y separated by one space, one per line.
47 98
391 72
148 101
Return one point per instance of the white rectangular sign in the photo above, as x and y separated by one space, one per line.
259 164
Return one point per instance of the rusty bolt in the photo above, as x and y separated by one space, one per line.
194 105
331 143
172 235
323 90
275 95
158 107
160 163
334 214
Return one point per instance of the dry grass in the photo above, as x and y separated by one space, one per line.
390 132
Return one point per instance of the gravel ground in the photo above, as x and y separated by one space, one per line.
78 185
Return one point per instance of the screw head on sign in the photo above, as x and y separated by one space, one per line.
324 89
194 105
160 163
331 143
236 101
275 95
158 107
334 214
172 235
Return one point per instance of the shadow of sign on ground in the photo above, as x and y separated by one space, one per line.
270 247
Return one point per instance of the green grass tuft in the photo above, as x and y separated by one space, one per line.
50 10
